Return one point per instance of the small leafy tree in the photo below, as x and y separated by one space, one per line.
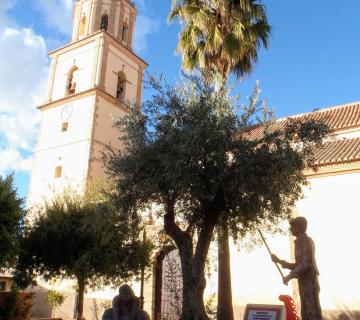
55 299
11 221
78 238
99 308
191 156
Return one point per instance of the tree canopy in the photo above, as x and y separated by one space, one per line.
75 238
222 36
191 155
11 221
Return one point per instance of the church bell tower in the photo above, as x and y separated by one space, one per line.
90 80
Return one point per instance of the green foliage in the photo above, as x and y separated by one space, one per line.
221 36
80 239
210 306
99 308
189 145
11 221
55 299
195 159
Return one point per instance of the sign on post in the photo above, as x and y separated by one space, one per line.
264 312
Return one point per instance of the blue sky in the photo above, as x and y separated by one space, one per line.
312 62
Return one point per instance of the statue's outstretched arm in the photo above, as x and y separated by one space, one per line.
287 265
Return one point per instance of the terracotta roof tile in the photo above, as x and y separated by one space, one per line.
337 118
338 151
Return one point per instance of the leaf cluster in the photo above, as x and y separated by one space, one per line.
221 36
77 238
12 215
191 149
55 299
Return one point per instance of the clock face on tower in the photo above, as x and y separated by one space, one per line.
66 112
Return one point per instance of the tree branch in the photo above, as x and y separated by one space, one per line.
180 237
203 244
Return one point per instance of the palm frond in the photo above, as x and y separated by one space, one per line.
222 36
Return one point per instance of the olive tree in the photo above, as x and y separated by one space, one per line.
191 154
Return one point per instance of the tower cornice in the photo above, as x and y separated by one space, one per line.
88 93
99 34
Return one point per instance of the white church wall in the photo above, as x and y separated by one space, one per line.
118 61
331 205
84 58
79 116
81 9
44 183
69 149
104 134
349 134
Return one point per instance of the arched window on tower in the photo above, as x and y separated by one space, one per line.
125 32
104 22
82 26
70 83
121 86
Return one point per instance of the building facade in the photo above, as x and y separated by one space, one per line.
330 203
94 79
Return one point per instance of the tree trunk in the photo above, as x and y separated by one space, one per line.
224 307
194 284
192 264
80 304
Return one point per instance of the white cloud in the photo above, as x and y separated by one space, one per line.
23 75
24 72
12 159
57 14
144 26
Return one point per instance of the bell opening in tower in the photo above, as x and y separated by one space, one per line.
104 22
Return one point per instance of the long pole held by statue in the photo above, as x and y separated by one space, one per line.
268 249
142 277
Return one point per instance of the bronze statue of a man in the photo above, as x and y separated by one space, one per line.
125 306
304 270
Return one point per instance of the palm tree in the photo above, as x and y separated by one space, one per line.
221 37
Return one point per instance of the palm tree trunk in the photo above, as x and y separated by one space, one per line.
224 307
80 304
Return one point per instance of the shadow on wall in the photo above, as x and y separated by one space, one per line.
41 309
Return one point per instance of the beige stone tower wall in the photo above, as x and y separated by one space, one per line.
88 15
93 64
82 100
